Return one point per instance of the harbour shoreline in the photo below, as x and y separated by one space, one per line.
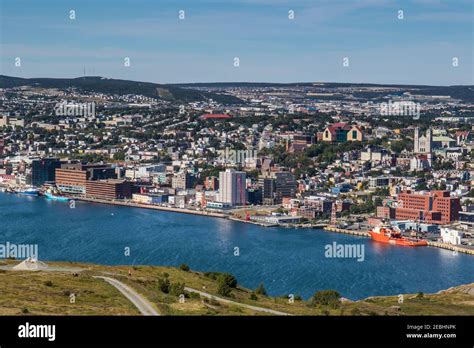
328 228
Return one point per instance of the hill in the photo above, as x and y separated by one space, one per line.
48 293
114 86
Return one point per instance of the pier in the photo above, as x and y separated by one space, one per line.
149 206
456 248
345 231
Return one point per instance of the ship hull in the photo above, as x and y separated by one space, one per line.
29 192
382 238
56 198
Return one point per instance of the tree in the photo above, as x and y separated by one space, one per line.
119 156
229 279
164 285
260 290
253 297
223 288
177 289
184 267
326 297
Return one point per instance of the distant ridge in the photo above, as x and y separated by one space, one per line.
463 92
115 86
187 92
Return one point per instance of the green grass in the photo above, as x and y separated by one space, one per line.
47 293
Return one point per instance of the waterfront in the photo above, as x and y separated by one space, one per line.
285 260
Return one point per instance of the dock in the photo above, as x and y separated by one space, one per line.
447 246
150 206
345 231
259 223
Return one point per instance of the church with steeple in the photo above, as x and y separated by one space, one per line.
422 150
424 143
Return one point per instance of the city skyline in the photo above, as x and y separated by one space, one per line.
271 47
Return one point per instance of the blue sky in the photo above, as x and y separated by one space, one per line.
271 48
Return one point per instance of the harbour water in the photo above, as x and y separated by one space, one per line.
285 260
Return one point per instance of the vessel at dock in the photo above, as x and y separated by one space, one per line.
391 235
30 191
56 197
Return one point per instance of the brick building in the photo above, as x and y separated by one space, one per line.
432 207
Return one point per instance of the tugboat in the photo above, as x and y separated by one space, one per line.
391 235
50 194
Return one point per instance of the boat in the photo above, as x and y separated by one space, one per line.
392 235
30 191
55 197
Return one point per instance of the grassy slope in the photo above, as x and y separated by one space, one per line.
20 290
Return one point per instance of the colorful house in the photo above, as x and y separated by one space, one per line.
341 132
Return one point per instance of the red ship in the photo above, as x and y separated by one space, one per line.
386 234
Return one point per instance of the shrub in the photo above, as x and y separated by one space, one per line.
184 267
177 289
25 310
193 295
211 301
164 285
420 295
355 311
165 274
260 290
223 288
227 278
326 297
253 296
48 283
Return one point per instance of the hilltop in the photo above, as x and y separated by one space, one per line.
208 293
115 86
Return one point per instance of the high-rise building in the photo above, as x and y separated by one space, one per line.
267 189
285 185
43 170
2 146
276 187
232 188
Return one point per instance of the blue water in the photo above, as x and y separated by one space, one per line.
285 260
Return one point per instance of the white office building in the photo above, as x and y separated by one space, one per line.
232 187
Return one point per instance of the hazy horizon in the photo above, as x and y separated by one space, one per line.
239 82
199 45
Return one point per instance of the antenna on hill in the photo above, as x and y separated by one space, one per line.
84 73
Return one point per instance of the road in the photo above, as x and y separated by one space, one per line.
138 300
223 300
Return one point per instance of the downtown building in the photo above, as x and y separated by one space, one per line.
436 207
232 188
43 170
277 186
74 178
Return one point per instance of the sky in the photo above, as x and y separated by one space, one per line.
271 47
